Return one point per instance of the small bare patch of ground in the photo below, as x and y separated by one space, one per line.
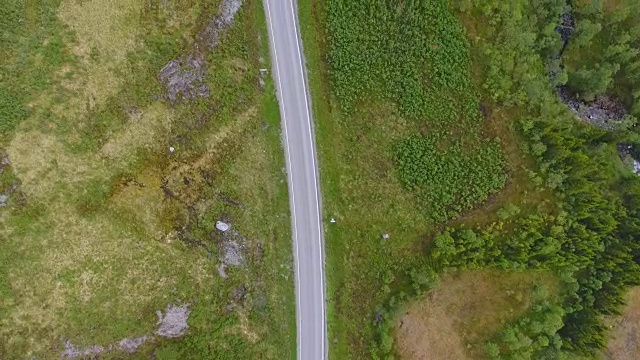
171 324
624 343
183 78
604 112
455 319
174 321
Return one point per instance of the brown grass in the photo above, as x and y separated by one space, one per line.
457 318
624 343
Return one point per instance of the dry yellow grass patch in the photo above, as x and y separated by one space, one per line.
41 162
96 265
113 274
455 319
238 68
244 328
105 25
105 33
624 343
141 132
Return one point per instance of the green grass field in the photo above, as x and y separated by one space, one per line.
104 225
436 115
398 155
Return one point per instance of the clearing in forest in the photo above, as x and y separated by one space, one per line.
454 320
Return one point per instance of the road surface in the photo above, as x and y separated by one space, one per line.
304 191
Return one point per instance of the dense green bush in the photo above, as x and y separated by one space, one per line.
591 242
448 178
415 55
412 53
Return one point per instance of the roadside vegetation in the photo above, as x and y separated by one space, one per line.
454 103
400 147
110 190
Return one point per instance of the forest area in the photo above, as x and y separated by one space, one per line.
567 74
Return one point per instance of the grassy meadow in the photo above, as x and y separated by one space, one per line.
104 225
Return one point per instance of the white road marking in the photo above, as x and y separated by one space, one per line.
313 161
290 178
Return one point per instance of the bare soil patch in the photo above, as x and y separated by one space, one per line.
624 343
455 319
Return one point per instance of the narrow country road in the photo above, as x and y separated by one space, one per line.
304 191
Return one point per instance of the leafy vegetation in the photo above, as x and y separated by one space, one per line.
451 182
416 56
588 239
395 111
604 56
413 54
583 227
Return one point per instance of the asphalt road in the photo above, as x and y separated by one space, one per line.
304 190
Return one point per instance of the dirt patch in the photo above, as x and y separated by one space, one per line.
604 112
624 343
128 345
171 324
174 321
456 319
232 249
428 332
184 78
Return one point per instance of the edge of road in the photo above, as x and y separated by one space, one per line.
311 128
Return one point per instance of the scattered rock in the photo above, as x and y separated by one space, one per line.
174 322
629 157
566 29
227 11
385 236
130 345
222 226
378 317
71 351
3 200
184 78
232 253
332 220
604 112
171 149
